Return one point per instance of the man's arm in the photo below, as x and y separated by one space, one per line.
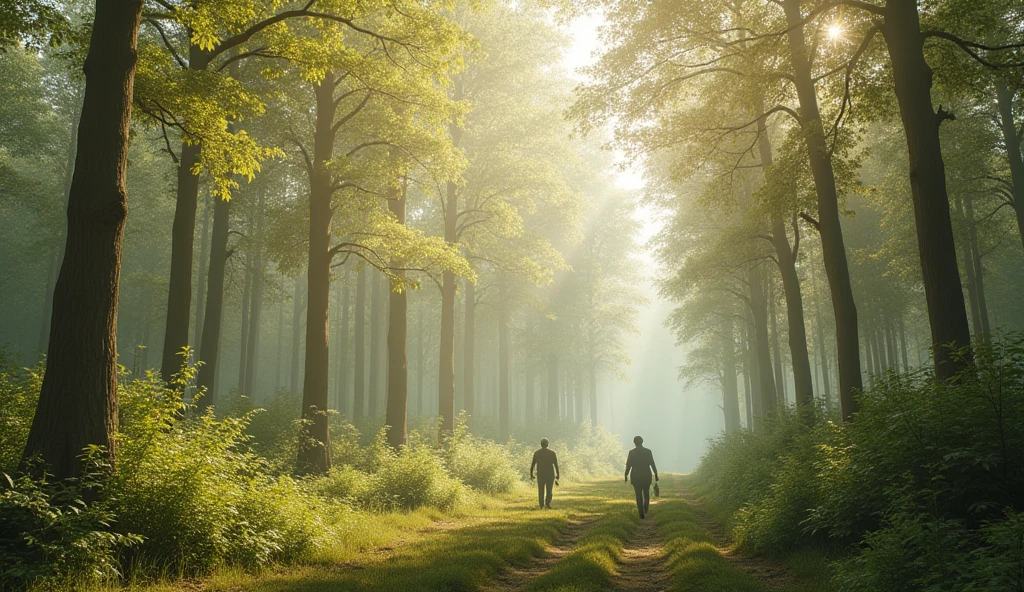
654 467
532 465
557 472
629 465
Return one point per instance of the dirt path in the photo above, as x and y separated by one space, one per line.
643 561
517 578
764 569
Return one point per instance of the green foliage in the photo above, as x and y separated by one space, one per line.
926 484
190 486
58 532
482 464
19 392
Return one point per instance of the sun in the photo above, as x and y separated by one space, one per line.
835 31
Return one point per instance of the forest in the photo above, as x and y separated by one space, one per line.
293 289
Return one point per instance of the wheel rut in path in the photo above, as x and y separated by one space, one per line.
768 571
643 561
517 578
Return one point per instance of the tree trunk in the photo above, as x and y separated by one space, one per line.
967 256
297 303
341 395
315 444
280 346
730 388
748 380
903 344
1012 141
243 342
530 377
468 349
398 371
359 373
504 354
210 346
374 397
78 398
204 260
420 370
183 229
780 377
979 271
446 360
829 226
766 378
255 310
913 82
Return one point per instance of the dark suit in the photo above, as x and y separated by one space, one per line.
546 462
639 468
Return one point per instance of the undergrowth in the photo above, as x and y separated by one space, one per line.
193 492
923 491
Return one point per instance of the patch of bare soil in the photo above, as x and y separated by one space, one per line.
517 578
768 571
643 561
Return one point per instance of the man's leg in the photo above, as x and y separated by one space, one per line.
647 498
638 490
551 488
540 492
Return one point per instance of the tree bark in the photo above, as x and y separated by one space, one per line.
469 351
315 444
830 227
762 346
359 373
374 397
204 260
297 304
78 398
504 354
979 271
420 370
398 371
243 342
255 309
1012 141
730 388
210 346
179 289
342 398
780 377
947 313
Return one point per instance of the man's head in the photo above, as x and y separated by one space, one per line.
638 440
543 442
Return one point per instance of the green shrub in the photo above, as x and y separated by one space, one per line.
51 535
925 486
19 392
482 464
190 486
412 478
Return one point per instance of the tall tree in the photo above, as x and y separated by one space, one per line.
78 398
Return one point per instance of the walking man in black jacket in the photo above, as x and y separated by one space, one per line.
546 462
641 463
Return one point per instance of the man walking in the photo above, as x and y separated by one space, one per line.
641 463
546 462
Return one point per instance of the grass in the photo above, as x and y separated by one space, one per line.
429 550
591 565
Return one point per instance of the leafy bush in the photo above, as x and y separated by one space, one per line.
482 464
19 392
189 485
51 535
926 484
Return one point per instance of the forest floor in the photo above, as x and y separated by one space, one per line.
592 540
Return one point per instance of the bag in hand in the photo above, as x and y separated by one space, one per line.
657 490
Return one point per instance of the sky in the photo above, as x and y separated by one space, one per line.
675 421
